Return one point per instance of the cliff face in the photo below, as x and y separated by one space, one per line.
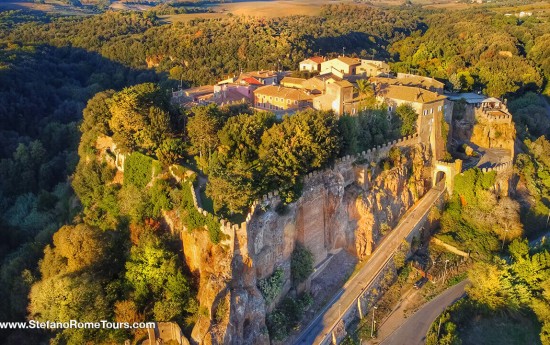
482 129
348 207
387 195
211 264
494 134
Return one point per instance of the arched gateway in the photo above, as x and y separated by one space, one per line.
444 171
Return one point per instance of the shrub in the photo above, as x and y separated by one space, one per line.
137 169
287 316
301 265
271 286
191 217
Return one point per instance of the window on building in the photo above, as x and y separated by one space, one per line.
270 98
288 101
431 110
439 108
295 102
425 112
390 108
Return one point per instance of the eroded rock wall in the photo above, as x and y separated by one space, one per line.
347 207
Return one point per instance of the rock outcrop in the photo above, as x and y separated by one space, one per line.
347 207
494 134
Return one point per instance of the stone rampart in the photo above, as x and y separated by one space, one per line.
499 167
344 165
489 115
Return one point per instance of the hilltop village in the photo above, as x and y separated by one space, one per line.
346 208
348 85
337 84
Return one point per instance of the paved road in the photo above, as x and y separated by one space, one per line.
330 315
413 331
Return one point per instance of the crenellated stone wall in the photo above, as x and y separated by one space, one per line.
347 206
502 167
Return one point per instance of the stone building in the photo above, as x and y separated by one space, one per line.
429 106
336 94
281 99
373 68
343 64
313 64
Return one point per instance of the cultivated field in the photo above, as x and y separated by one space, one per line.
279 8
258 9
49 7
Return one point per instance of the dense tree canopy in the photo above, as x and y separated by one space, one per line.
52 66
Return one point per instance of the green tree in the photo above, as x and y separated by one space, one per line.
170 151
301 264
202 129
140 117
408 117
305 141
154 273
235 174
96 115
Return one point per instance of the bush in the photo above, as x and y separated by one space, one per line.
287 316
191 217
271 286
301 265
137 169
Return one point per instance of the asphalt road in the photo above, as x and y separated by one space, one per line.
322 325
413 331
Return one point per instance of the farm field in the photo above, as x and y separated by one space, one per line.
262 9
258 9
51 7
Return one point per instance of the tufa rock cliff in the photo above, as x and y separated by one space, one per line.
350 207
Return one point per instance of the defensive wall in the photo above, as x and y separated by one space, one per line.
497 116
344 166
502 167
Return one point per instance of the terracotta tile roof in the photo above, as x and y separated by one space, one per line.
284 92
199 90
410 80
317 59
229 96
259 74
292 80
408 94
314 60
349 61
314 84
252 81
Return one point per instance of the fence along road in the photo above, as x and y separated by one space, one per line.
322 326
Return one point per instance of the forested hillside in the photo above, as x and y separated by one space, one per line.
480 51
64 81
